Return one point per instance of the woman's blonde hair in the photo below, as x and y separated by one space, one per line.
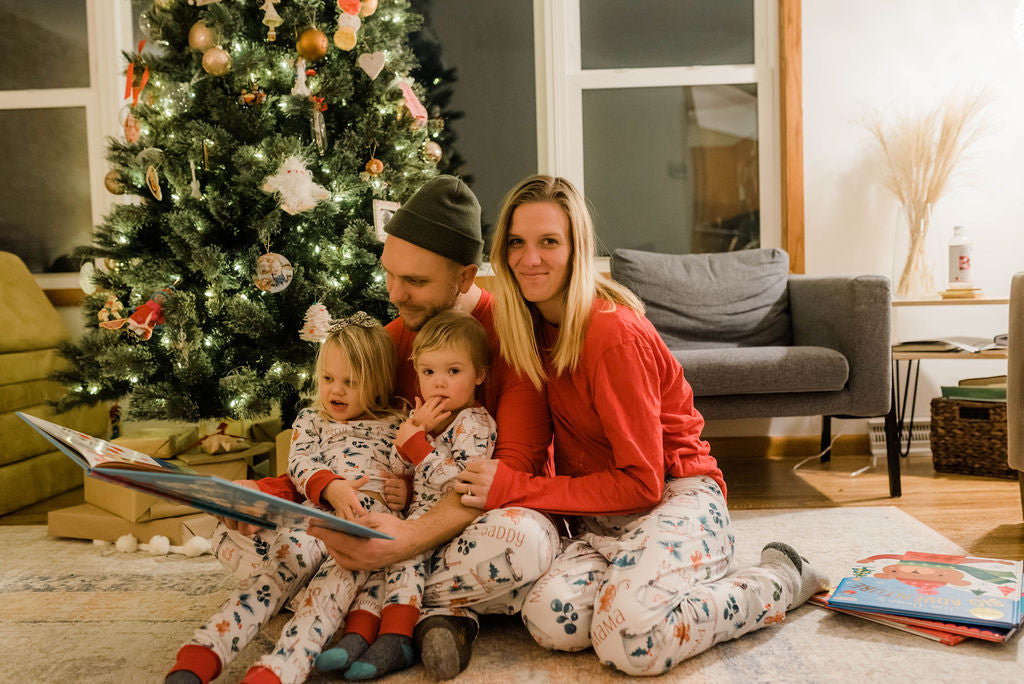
453 328
514 316
371 354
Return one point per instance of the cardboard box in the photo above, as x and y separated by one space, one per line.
162 439
86 521
135 506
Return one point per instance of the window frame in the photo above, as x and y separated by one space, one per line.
109 27
561 81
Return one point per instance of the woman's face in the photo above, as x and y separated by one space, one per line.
538 256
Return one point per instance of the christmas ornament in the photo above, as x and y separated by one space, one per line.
201 37
349 6
164 4
271 19
432 152
372 63
153 182
252 95
367 7
216 61
412 103
375 167
131 128
85 276
111 312
294 182
143 319
315 323
273 272
312 44
202 3
345 39
318 128
114 183
196 192
300 88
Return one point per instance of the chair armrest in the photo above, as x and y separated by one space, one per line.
851 314
1015 376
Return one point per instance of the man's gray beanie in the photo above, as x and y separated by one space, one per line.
443 217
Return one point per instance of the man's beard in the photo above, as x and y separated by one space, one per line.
417 317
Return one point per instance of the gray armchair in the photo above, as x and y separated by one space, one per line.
756 341
1015 382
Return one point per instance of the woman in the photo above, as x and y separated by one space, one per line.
645 580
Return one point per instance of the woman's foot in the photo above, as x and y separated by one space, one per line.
805 579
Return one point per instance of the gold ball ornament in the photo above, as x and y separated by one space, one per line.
201 37
114 183
432 152
375 167
367 7
345 38
312 44
216 61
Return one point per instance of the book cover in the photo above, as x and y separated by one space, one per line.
975 591
974 392
985 381
110 462
949 633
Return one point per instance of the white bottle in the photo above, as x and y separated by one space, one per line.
960 253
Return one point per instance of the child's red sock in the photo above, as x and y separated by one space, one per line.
199 660
258 674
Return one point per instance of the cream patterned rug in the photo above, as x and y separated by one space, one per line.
72 612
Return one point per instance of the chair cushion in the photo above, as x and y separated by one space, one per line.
763 370
707 301
27 319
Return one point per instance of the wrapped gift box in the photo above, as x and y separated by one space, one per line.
86 521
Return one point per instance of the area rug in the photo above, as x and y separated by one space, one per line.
73 612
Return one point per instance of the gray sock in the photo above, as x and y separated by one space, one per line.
389 653
445 644
342 654
805 579
182 677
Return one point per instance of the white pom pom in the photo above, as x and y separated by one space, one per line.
196 546
159 545
127 543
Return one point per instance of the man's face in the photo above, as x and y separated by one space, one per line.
420 283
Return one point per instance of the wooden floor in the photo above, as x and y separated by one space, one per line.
981 514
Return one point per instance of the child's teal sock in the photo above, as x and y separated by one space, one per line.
344 653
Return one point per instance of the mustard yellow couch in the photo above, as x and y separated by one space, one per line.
30 329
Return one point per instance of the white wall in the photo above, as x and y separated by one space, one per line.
905 56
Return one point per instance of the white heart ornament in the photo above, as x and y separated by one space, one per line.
372 63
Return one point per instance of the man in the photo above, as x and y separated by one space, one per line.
430 259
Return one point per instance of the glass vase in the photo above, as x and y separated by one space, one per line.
917 281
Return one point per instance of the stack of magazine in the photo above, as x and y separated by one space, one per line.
941 597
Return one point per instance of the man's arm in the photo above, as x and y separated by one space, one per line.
437 526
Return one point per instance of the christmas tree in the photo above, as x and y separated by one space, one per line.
256 152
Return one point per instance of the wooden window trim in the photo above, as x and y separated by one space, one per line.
792 139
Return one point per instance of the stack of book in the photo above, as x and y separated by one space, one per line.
954 344
941 597
991 388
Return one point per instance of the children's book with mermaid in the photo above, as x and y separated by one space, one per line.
110 462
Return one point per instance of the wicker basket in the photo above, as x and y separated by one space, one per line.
969 437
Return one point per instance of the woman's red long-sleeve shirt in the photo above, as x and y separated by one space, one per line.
623 421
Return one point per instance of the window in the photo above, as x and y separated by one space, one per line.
666 114
60 70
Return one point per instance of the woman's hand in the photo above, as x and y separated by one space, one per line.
475 481
343 496
396 493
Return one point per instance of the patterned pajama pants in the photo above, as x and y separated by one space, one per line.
650 590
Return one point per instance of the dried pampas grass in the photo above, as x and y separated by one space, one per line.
922 153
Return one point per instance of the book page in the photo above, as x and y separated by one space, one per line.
93 450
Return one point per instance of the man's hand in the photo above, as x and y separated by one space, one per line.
361 553
247 529
424 416
396 493
475 481
343 497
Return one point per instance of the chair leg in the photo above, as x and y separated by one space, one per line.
892 448
826 439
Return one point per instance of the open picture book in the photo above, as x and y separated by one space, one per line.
110 462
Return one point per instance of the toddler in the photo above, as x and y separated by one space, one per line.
340 459
445 429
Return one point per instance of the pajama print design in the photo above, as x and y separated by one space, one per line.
652 589
273 566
